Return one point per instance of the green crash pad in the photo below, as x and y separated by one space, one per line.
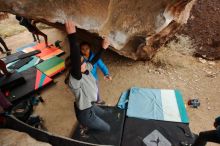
52 66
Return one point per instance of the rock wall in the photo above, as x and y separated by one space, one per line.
136 28
3 16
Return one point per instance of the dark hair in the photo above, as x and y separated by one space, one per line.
83 44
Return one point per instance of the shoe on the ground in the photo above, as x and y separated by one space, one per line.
8 53
83 132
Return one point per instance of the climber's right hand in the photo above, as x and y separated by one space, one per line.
70 26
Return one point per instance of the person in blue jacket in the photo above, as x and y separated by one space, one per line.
88 55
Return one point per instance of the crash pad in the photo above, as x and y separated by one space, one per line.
51 66
25 55
46 52
34 81
138 132
157 104
12 57
21 63
115 118
12 81
35 60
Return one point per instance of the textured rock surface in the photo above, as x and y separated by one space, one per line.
136 28
3 16
15 138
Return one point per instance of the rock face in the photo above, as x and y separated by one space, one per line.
136 28
3 16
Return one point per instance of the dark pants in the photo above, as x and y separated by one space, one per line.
4 45
37 32
207 136
91 118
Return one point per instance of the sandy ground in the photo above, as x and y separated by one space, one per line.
194 79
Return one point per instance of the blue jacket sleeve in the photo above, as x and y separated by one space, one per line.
103 67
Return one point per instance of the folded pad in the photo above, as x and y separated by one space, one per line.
157 104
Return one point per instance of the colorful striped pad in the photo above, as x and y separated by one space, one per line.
32 63
46 52
39 46
157 104
52 66
41 80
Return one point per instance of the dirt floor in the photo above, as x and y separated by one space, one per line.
170 69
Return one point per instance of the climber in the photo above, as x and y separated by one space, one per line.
83 84
30 25
7 51
88 55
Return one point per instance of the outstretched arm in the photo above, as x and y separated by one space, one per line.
105 45
74 50
103 67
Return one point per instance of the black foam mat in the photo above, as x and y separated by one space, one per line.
29 87
26 88
20 63
12 57
135 130
115 119
25 55
15 79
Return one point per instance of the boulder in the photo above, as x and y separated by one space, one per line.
137 29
